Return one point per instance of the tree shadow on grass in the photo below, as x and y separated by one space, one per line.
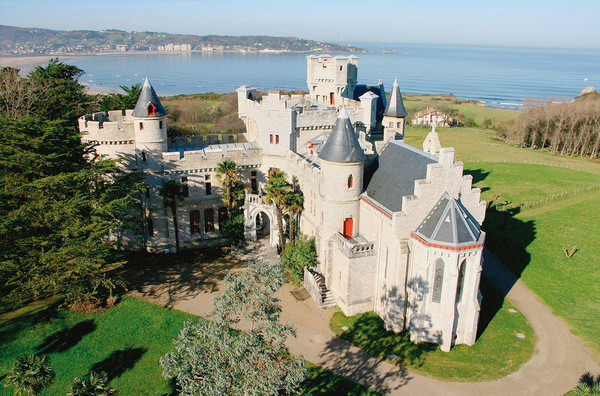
323 382
11 328
66 338
119 361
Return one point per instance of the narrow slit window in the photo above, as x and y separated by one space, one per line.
438 281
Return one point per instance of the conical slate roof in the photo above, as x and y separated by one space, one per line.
395 107
147 101
449 223
342 144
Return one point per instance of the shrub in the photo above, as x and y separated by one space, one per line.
29 375
302 253
233 228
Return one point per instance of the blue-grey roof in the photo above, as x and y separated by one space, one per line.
449 223
342 144
379 90
395 107
400 165
147 96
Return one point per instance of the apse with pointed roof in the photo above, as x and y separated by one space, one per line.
148 104
342 144
449 223
395 107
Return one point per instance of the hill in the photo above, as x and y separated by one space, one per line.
28 41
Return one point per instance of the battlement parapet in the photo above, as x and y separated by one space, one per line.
203 140
243 154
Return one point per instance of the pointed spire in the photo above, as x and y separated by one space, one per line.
342 144
148 104
395 107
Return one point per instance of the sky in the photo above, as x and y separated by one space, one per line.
527 23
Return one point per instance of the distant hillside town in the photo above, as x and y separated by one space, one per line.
34 41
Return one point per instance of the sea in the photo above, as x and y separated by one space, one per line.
498 76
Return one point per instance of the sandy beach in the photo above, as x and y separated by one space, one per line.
27 63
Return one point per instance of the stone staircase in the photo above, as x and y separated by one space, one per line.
323 297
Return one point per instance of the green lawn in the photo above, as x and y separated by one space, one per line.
474 146
531 245
497 352
126 342
525 183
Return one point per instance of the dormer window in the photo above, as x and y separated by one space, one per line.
151 109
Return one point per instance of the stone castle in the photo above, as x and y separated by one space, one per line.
397 228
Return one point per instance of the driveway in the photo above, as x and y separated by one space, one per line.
558 361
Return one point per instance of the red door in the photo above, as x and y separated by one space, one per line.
331 98
348 224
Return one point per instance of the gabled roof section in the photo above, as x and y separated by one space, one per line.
449 223
342 144
400 165
395 107
148 104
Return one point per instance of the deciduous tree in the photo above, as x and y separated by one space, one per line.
212 358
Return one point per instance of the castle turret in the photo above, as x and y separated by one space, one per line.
150 127
342 165
394 115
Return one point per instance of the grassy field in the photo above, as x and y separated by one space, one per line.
126 342
497 352
467 109
531 245
474 146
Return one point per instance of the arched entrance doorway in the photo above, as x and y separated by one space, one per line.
260 222
263 225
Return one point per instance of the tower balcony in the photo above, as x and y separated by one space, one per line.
354 247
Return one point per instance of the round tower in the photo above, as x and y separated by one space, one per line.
342 167
150 127
394 115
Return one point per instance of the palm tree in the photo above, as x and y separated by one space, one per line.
293 205
275 194
229 175
97 385
29 375
173 193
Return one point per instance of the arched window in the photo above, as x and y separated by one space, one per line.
438 281
151 109
150 225
209 220
350 181
461 281
195 222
